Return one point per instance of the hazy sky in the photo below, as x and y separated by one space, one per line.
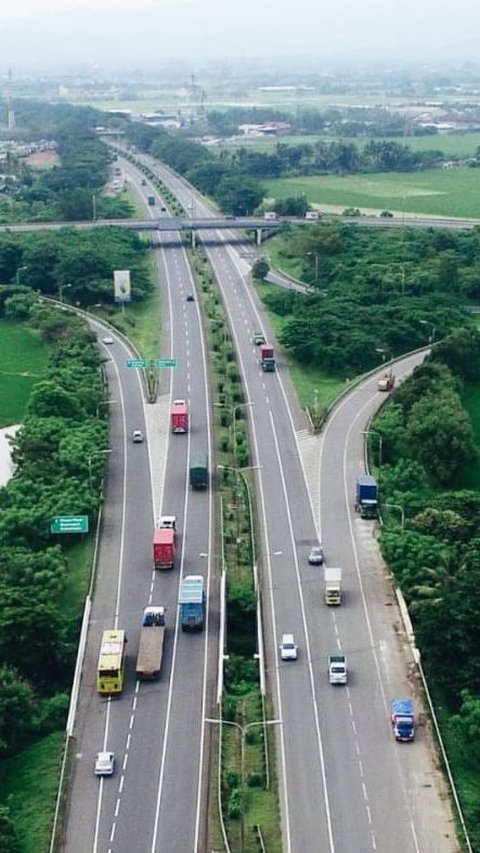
48 32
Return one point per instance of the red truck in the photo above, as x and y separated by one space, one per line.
179 416
267 358
164 542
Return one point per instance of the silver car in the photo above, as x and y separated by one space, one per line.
315 558
104 764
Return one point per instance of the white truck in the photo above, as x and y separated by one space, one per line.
333 585
150 650
337 669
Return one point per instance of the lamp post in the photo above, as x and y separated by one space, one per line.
368 432
90 457
61 288
402 513
94 207
243 732
433 330
103 403
17 274
316 256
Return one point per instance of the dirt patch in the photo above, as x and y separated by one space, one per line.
43 160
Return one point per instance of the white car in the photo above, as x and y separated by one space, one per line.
288 647
104 764
137 436
107 340
315 558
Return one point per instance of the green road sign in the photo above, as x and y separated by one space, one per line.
69 524
136 362
165 362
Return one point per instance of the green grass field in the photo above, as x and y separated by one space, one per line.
436 192
28 784
23 361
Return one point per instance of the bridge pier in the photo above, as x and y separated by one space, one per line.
258 236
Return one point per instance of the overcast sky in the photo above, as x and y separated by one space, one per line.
48 32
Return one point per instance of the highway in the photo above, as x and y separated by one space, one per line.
155 800
345 784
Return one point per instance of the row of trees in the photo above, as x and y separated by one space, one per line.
56 474
375 294
73 189
83 261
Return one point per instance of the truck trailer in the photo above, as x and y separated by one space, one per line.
386 382
199 471
164 546
333 585
366 496
403 719
192 603
179 417
267 358
150 650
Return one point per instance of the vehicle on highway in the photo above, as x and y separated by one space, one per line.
150 649
333 585
366 496
151 200
111 663
315 557
288 647
337 669
107 340
190 297
192 603
403 719
164 547
199 471
386 382
104 764
144 183
179 416
267 358
137 436
258 338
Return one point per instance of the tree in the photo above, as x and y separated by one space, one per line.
260 269
9 841
441 436
17 711
239 195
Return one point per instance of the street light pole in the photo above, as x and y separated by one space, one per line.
402 513
431 337
243 731
90 457
61 288
17 274
368 432
103 403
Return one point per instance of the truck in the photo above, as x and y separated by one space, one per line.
403 719
267 358
199 471
169 521
151 200
164 546
333 585
337 669
192 603
269 214
366 496
386 382
179 416
313 215
150 649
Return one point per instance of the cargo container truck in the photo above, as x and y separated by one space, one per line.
267 358
333 585
150 650
179 416
199 471
164 542
366 496
403 719
192 603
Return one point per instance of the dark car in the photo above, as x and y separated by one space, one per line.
190 297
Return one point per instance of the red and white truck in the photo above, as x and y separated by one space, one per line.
179 416
164 547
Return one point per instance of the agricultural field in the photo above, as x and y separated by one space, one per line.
451 145
435 192
23 362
